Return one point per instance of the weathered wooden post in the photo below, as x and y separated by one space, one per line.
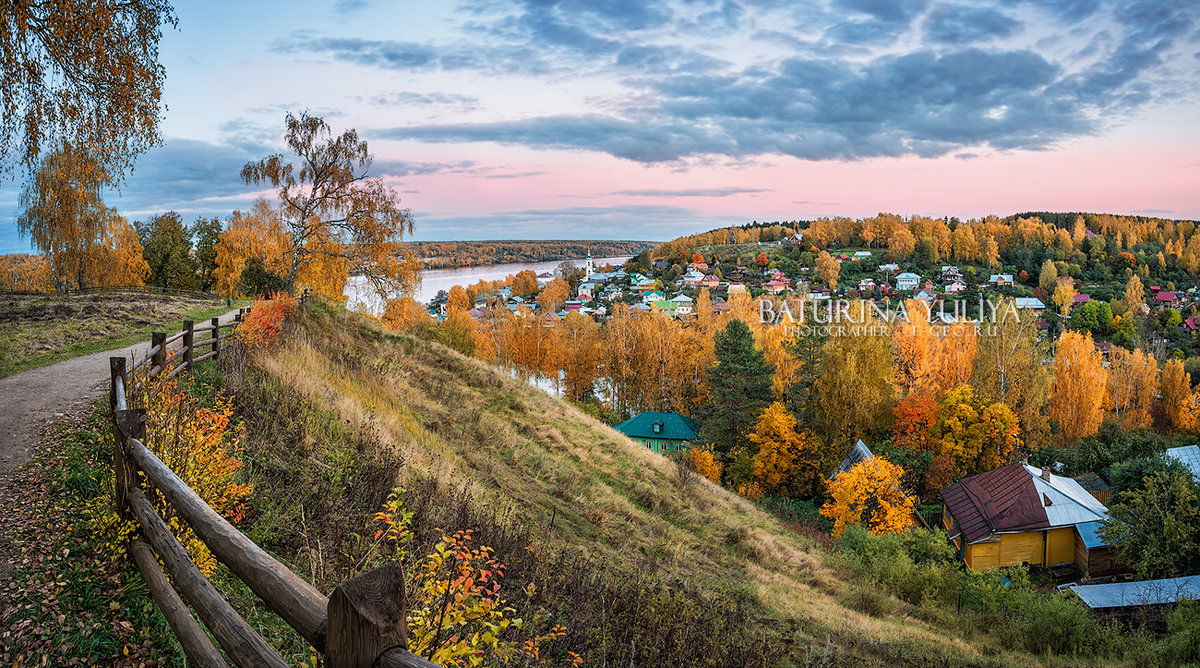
127 424
365 618
216 337
189 337
158 340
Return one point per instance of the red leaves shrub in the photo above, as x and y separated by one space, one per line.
265 321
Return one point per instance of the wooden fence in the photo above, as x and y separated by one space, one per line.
361 624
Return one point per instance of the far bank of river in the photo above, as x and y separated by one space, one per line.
433 280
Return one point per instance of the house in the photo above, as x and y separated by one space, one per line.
866 285
663 433
1167 300
1189 456
1029 303
925 293
774 287
907 281
683 304
735 288
842 257
645 285
693 278
587 291
664 306
949 273
1001 280
1191 323
1020 514
889 267
1081 298
639 308
710 281
661 265
698 266
739 273
955 287
862 255
651 297
544 278
796 239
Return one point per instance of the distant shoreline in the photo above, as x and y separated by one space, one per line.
483 253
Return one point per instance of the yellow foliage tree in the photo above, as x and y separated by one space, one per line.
1078 390
1132 387
869 495
916 350
404 314
1135 294
581 355
335 216
828 269
552 297
1175 388
1064 297
786 461
257 234
703 462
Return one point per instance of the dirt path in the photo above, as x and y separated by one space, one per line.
31 400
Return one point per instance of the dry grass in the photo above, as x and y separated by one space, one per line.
569 481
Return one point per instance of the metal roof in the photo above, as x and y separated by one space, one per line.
1015 498
857 454
1189 455
1146 592
1088 534
671 426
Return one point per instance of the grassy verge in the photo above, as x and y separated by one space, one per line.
67 600
39 331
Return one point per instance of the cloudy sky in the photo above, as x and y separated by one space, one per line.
633 119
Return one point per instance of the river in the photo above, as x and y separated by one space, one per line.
361 296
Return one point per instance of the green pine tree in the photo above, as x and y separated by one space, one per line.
741 389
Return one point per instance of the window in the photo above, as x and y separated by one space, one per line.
657 427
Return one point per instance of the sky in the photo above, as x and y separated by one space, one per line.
630 119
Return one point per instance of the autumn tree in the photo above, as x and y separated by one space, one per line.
915 416
1048 278
62 213
83 73
553 295
917 351
1064 297
336 217
786 461
1009 369
741 388
853 394
1135 294
974 435
1175 394
827 269
869 495
525 284
457 331
405 314
762 260
258 235
697 258
1132 387
207 233
457 299
1080 383
580 340
959 348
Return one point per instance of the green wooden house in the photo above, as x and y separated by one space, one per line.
663 433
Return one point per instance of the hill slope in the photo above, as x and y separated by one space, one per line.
641 563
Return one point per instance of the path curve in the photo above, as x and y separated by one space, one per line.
31 399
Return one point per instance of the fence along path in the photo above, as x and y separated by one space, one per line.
361 624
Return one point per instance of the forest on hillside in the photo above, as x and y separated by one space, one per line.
438 254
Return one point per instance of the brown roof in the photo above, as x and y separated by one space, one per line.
1004 499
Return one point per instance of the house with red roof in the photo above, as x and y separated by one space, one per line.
1167 300
1021 514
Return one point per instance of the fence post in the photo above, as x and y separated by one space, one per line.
365 617
126 424
160 358
216 337
189 337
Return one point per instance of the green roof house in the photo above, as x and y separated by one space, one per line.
663 433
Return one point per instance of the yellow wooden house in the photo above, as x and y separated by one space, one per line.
1020 514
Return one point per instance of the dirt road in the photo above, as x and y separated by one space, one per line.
31 400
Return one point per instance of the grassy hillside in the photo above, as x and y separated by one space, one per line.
642 562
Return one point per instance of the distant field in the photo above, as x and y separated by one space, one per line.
38 331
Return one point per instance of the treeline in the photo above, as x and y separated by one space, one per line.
438 254
744 234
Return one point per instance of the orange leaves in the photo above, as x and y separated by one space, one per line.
265 321
553 295
916 349
1175 390
702 461
828 269
405 314
1078 390
259 235
786 461
915 416
869 495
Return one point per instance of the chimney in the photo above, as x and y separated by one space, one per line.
1046 473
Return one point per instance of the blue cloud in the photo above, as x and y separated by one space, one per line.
958 24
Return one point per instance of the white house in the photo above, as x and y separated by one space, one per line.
955 287
907 281
683 304
859 255
587 291
891 266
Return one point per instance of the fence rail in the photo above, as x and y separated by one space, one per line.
360 624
